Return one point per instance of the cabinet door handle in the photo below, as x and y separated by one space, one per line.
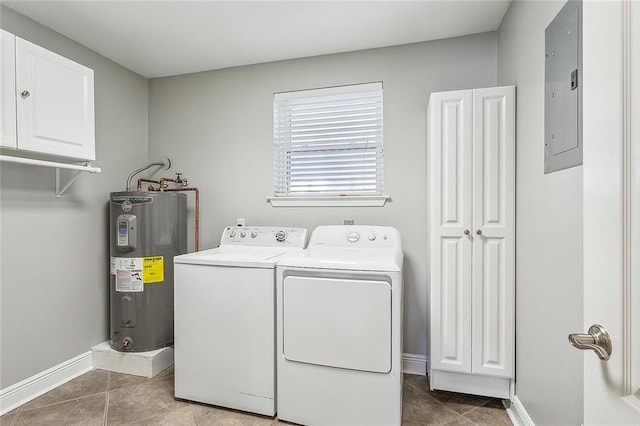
467 232
25 94
479 232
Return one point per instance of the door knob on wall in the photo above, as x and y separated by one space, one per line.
597 340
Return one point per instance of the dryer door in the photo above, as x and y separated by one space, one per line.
337 322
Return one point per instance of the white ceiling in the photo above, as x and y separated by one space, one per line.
161 38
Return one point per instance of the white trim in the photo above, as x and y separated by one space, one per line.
329 91
34 386
414 364
60 189
44 163
474 384
518 414
329 201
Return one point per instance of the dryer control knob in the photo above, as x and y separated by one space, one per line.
280 236
232 234
254 234
243 234
372 237
353 237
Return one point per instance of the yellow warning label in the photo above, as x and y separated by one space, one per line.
153 269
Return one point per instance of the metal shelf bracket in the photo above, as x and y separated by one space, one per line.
60 191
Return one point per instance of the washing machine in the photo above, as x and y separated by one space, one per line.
225 318
339 328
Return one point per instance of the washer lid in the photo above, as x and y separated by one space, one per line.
245 256
346 259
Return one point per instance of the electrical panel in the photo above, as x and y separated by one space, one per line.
563 89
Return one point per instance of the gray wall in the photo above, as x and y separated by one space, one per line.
217 128
54 272
548 233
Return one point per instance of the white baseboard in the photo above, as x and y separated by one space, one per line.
414 364
34 386
518 414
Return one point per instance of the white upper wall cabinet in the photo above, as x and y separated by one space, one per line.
8 90
53 102
471 148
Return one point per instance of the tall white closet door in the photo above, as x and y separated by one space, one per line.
450 131
493 231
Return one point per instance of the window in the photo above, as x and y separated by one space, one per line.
327 146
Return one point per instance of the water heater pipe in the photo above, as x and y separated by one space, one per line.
157 182
166 163
177 180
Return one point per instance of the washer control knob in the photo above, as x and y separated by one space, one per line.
232 234
353 237
254 234
281 236
372 237
243 234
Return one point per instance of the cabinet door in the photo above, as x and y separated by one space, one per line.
493 231
55 103
8 88
449 144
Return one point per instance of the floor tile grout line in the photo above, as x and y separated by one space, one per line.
149 417
15 419
476 408
460 415
468 419
106 401
434 399
59 402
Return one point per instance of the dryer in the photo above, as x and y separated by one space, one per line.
339 328
225 318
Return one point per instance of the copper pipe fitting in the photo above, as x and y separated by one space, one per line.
146 180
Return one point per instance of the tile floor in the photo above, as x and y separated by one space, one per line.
104 398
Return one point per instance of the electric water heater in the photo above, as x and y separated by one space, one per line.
147 229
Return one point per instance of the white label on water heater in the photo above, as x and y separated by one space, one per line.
128 272
129 281
125 264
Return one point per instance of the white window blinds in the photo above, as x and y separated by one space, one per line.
328 141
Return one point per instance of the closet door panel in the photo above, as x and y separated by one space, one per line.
449 141
493 273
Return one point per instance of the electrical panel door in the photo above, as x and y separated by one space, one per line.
563 90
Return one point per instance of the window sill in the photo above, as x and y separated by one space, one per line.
330 201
